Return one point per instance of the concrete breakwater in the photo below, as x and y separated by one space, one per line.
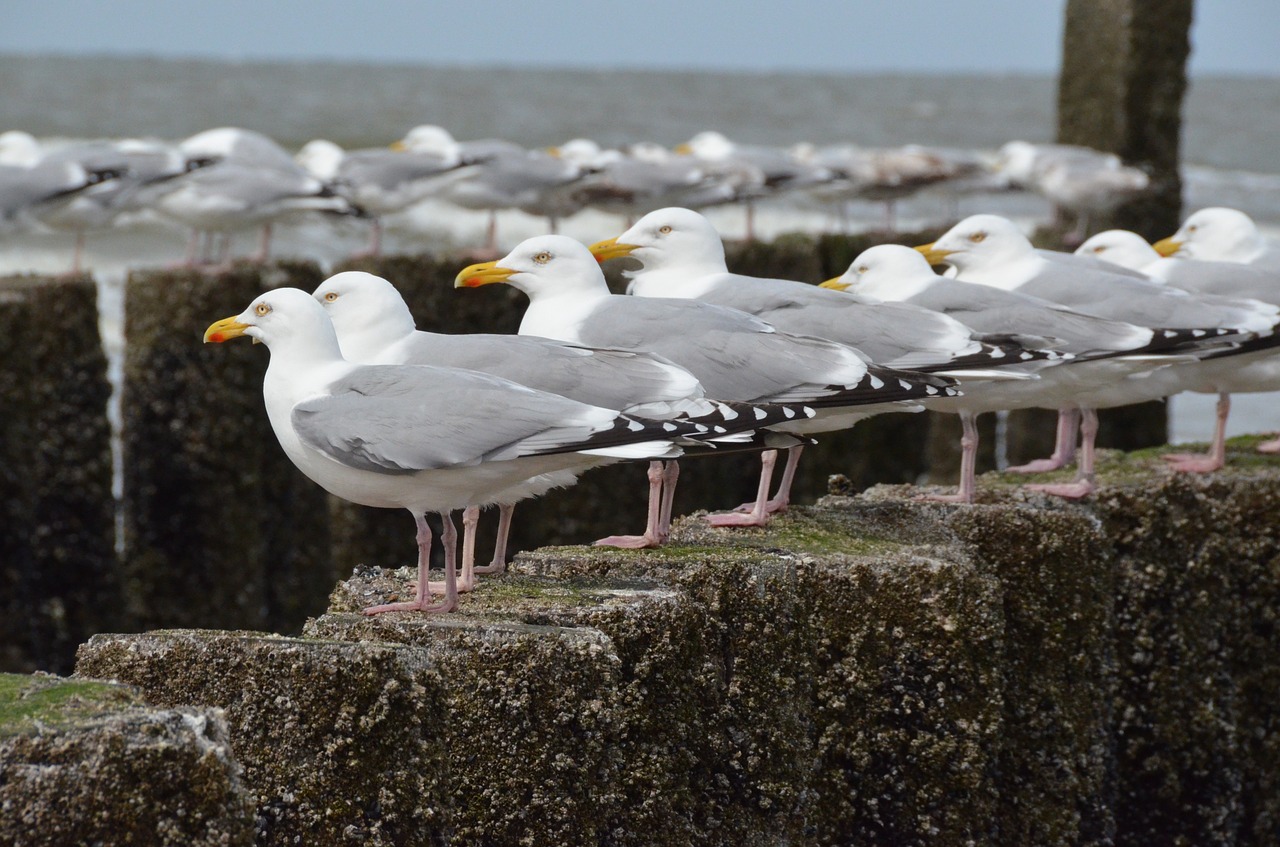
214 527
869 670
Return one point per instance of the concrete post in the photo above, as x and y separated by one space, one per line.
58 575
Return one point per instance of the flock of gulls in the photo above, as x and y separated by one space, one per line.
228 179
697 361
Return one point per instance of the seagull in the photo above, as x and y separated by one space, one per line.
251 181
506 176
756 171
1086 181
379 180
682 256
1105 353
1255 371
736 356
991 250
426 439
374 326
1219 234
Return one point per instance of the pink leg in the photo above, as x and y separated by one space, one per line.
650 537
264 245
1064 449
421 603
1083 485
968 463
782 499
670 474
467 580
193 249
1272 446
499 563
77 253
1217 455
757 516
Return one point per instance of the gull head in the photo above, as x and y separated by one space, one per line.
978 241
885 272
283 319
1120 247
1216 234
671 238
361 304
542 266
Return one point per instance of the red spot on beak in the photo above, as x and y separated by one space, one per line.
216 338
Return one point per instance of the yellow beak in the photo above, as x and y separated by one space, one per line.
934 255
483 273
683 149
398 146
835 284
1167 246
611 248
225 330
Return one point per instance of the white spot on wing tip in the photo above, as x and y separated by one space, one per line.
906 386
1168 333
875 381
760 414
635 426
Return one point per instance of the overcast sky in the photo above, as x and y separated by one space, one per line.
933 36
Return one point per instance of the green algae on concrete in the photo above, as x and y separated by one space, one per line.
85 762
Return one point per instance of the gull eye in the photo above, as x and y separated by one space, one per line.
1099 249
863 269
262 310
330 296
542 258
1192 228
978 237
664 229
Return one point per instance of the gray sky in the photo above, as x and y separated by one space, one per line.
1020 36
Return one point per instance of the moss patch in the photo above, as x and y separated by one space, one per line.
26 701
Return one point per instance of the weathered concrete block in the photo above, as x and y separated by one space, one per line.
203 473
84 762
749 680
58 577
338 741
1198 588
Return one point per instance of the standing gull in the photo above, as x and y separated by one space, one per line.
421 438
736 356
1106 353
990 250
682 256
1258 370
374 326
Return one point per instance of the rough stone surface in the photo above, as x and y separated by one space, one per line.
58 580
870 670
85 762
203 473
1120 89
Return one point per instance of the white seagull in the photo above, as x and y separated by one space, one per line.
421 438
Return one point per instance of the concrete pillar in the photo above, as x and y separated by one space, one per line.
1120 89
58 572
220 528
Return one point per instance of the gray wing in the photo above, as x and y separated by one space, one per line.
1123 298
395 419
896 334
389 169
1227 279
614 379
993 310
735 355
